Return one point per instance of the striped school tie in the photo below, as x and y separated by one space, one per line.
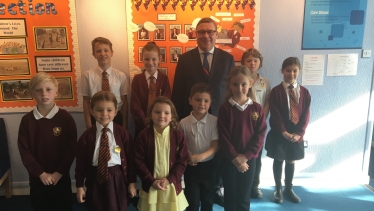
105 82
206 63
152 90
104 157
293 105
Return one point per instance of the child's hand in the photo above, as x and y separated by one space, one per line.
81 195
157 185
164 183
239 160
56 177
132 190
295 137
194 159
243 168
46 178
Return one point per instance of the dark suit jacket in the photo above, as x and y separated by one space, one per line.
145 158
139 97
190 71
85 151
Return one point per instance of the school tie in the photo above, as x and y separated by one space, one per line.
105 82
104 157
152 90
293 106
206 63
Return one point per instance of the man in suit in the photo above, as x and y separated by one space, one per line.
190 69
193 68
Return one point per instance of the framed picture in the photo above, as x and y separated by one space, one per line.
140 55
159 33
15 90
64 88
13 27
164 70
174 30
143 34
11 46
10 67
163 54
175 53
53 63
189 48
50 38
190 31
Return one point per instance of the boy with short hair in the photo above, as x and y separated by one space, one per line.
104 78
200 130
47 139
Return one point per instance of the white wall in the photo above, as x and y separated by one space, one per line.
333 147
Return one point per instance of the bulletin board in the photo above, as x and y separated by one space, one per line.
172 23
38 37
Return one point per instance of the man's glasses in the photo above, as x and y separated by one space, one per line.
202 32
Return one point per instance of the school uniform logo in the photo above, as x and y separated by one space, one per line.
57 131
262 84
255 116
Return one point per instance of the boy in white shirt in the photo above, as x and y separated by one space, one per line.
200 130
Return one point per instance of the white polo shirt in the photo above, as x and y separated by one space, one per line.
262 90
92 83
199 134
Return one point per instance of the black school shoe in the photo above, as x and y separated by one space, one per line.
256 193
291 196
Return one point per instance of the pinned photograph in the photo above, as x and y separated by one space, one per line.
140 55
163 54
159 33
15 90
164 70
190 31
11 67
64 89
12 46
174 30
51 38
143 34
189 48
175 53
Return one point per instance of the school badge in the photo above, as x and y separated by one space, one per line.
57 131
262 84
255 116
177 148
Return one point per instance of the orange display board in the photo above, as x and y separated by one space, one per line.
36 36
235 20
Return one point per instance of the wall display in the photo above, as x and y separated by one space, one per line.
173 27
39 38
164 70
64 89
13 27
13 67
175 53
159 33
342 64
11 46
50 38
15 90
332 24
53 63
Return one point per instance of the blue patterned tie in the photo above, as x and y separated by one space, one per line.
206 63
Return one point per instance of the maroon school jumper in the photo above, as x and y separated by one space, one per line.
145 158
241 132
47 145
139 97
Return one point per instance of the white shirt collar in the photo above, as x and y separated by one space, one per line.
201 51
147 75
109 70
286 85
50 115
204 119
241 107
99 127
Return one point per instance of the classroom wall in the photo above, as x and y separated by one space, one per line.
339 133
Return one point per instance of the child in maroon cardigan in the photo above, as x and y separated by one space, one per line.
160 158
47 138
241 131
140 85
112 193
285 139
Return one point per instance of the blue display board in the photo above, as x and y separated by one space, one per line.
334 24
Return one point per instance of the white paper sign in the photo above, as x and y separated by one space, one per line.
313 69
342 64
